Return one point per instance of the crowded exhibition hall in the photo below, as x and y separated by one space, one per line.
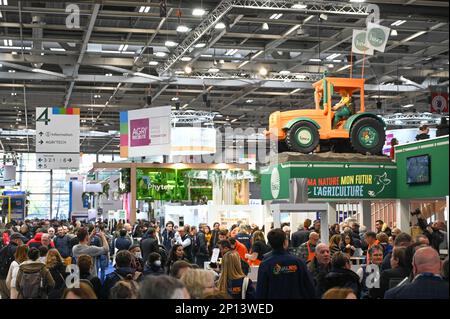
245 151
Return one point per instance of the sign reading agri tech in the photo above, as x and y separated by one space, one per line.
145 132
57 138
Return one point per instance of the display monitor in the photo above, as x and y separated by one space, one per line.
418 170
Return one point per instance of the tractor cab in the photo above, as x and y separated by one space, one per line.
330 92
339 114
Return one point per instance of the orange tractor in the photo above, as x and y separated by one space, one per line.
336 120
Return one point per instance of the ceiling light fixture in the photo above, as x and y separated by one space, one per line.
294 91
108 74
415 35
188 69
186 59
357 1
315 60
257 54
398 23
285 72
408 105
299 6
184 106
175 98
276 16
200 45
153 63
144 9
233 121
183 29
333 56
295 27
231 52
263 71
213 70
220 26
243 64
170 44
344 68
394 33
198 12
160 54
249 101
265 26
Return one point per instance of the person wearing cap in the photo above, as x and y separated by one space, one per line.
6 258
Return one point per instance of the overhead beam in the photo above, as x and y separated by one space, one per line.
87 36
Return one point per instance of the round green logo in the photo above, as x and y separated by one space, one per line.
304 137
376 37
360 41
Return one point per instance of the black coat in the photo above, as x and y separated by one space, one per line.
300 237
422 287
342 278
148 246
442 130
63 245
390 278
59 275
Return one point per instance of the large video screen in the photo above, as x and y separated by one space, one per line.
418 170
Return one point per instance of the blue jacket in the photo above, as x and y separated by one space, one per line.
63 245
122 243
425 286
114 277
284 276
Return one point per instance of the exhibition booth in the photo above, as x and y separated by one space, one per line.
418 178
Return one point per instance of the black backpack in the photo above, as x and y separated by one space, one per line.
6 258
32 285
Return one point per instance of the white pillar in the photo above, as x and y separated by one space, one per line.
276 216
331 216
324 228
365 214
403 215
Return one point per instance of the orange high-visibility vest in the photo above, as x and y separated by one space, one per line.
311 254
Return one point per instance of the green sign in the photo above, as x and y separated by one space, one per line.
171 185
340 181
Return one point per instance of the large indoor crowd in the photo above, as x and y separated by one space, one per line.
51 259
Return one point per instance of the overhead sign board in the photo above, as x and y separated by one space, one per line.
57 138
145 132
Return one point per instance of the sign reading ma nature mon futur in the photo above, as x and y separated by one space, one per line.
331 180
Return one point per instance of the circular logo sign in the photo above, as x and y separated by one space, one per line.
439 103
360 41
376 37
305 137
275 183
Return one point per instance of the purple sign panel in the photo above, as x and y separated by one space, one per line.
139 132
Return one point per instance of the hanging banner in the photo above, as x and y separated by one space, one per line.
377 36
439 102
57 138
145 132
359 45
193 141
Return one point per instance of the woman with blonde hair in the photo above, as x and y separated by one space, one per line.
335 243
339 293
20 256
232 279
199 282
55 264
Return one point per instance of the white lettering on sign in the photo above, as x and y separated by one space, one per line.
140 133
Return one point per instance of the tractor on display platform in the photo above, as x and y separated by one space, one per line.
336 120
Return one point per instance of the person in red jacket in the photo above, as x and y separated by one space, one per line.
41 239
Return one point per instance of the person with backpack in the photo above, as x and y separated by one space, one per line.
34 280
6 258
232 279
124 270
20 256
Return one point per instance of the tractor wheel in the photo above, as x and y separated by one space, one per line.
282 147
303 137
368 136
